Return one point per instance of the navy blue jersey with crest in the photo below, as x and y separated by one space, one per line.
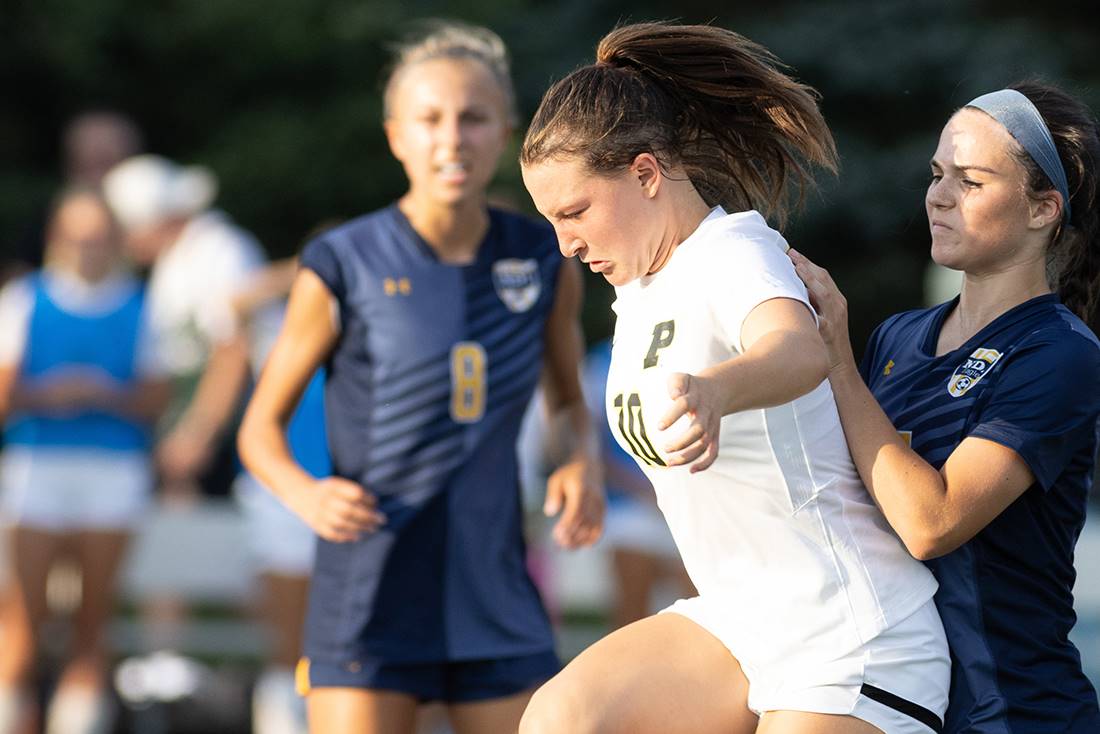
1030 381
427 384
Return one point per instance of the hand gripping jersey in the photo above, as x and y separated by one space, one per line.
1030 380
779 535
425 392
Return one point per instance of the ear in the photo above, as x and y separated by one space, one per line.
647 171
1045 210
393 137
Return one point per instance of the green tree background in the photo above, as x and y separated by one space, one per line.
281 99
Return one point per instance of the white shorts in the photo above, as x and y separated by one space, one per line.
898 681
63 490
278 540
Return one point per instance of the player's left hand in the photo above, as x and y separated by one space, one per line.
575 490
696 443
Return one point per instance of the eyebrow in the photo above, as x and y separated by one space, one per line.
939 165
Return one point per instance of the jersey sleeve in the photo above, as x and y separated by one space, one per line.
1046 397
16 304
746 272
869 367
320 257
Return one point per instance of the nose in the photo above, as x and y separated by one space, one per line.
449 132
569 245
938 196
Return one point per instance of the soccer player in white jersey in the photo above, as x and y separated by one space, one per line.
811 616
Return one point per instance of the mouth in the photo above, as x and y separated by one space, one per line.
935 224
598 266
453 171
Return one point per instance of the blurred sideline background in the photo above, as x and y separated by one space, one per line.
281 99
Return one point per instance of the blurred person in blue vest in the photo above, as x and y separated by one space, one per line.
82 381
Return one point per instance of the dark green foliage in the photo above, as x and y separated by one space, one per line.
281 98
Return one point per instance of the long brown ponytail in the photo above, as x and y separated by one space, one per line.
700 97
1073 256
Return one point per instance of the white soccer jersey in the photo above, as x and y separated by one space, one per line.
792 560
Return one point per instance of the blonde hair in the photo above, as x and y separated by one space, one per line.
448 39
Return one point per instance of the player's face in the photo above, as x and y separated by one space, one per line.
448 126
606 221
977 204
83 236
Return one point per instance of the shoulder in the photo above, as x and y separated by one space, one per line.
19 290
522 234
743 234
1063 344
741 248
342 240
904 325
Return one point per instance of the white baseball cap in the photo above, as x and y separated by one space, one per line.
147 189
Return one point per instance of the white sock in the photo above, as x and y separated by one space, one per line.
276 706
80 710
12 708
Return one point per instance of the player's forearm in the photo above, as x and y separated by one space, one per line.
582 439
776 369
145 401
219 388
264 451
908 490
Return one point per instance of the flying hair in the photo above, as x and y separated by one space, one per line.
704 98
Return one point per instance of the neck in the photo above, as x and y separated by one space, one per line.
687 210
453 232
985 297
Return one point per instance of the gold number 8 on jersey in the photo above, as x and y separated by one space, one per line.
468 368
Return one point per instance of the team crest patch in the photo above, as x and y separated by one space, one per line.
967 375
517 283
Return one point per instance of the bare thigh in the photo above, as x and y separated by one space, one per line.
664 674
494 715
360 711
802 722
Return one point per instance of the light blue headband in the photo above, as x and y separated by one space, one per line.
1019 116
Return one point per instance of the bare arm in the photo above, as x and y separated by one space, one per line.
934 512
189 445
783 358
575 488
338 509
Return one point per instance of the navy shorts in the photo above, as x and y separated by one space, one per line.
456 681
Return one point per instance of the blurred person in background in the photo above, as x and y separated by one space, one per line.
92 143
435 317
82 381
198 259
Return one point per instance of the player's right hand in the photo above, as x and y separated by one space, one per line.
339 510
831 308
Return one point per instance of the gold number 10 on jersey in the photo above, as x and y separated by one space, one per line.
632 429
468 368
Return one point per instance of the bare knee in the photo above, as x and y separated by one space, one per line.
561 706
